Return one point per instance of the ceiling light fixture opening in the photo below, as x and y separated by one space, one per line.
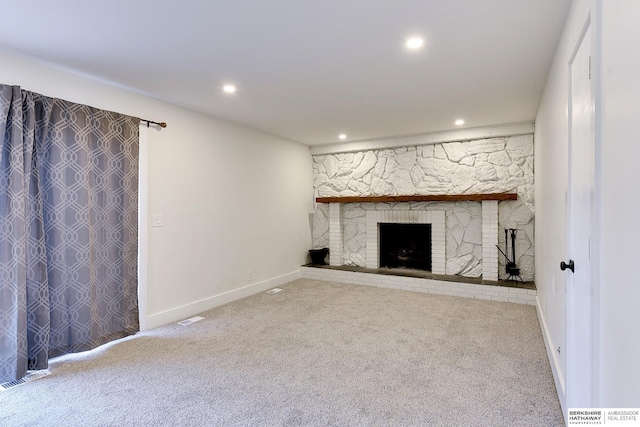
414 42
342 136
229 88
459 122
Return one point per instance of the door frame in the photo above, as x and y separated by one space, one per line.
586 376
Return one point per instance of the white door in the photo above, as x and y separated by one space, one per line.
581 334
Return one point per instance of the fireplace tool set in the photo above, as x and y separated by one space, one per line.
510 262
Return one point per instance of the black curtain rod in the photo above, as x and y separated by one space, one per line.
151 122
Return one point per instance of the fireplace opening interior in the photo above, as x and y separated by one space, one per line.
405 246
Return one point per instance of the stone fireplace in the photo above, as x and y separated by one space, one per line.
435 220
487 236
489 160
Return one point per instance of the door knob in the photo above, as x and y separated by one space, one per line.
570 266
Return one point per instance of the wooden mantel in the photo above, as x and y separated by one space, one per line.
419 198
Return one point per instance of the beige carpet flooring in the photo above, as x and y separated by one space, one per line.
316 354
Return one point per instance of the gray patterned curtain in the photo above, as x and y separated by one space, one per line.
68 229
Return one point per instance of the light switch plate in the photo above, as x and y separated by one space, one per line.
156 220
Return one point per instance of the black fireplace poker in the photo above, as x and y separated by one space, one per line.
511 268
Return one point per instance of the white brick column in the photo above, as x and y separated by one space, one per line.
489 239
336 250
438 243
372 239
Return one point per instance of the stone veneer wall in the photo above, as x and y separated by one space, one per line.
494 165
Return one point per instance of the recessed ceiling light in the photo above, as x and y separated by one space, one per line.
459 122
342 136
229 88
415 43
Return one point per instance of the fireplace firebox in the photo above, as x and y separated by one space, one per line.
405 246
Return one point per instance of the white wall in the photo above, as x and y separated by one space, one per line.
618 370
620 290
234 199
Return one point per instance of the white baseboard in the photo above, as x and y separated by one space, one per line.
553 359
189 310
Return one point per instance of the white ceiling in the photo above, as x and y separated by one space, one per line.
308 70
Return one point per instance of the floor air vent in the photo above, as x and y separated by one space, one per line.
31 376
190 320
273 291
